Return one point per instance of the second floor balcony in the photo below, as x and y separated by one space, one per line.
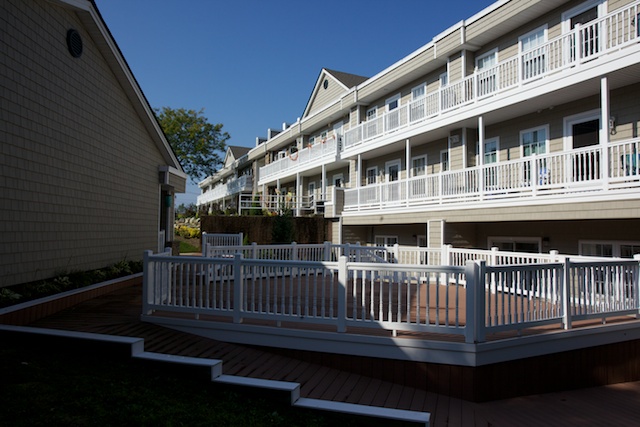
582 44
230 188
582 173
313 155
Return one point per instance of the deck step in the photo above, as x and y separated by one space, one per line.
284 386
214 364
420 418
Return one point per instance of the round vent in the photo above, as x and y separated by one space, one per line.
74 43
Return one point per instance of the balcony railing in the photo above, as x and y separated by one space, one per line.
582 44
243 183
589 169
326 149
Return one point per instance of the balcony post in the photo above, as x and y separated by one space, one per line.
238 287
474 331
148 280
604 131
342 294
566 294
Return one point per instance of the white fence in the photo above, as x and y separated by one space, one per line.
472 300
220 239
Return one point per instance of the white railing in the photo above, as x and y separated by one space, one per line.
473 300
326 251
581 44
235 186
220 239
580 170
313 153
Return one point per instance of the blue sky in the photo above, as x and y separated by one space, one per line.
252 64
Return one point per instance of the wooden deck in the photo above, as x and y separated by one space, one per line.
118 313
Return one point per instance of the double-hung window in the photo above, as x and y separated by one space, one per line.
487 73
417 111
534 53
371 126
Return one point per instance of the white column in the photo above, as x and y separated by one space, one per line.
604 130
358 180
407 151
298 195
324 182
481 153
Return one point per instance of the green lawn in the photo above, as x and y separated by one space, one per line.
44 387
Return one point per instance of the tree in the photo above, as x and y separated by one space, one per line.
197 143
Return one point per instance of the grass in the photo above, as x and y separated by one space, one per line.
60 387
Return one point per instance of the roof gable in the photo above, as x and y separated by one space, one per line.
233 153
329 86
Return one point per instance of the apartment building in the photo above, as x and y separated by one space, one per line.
221 192
515 128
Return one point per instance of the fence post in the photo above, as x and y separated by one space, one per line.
494 255
445 256
327 251
241 239
396 253
554 255
475 328
203 242
254 250
147 282
238 288
342 294
294 251
636 282
566 294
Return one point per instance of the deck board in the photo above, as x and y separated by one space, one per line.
118 313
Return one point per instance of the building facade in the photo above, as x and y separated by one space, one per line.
516 128
87 176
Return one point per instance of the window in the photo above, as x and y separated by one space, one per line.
372 175
312 191
393 117
516 244
419 166
487 76
490 151
534 141
386 240
587 42
417 110
393 102
418 92
444 79
601 248
444 160
312 140
534 53
372 113
392 170
338 180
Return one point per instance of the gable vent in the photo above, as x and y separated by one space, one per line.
74 43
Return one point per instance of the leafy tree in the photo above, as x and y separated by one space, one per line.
197 143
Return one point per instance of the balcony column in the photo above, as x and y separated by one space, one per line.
481 154
324 182
298 195
407 161
359 178
605 111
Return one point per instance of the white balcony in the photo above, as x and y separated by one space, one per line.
289 163
238 185
584 43
585 172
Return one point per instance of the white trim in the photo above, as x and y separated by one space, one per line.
493 52
544 28
484 152
546 140
567 15
334 177
413 159
375 175
569 121
373 110
423 86
394 98
448 160
389 164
